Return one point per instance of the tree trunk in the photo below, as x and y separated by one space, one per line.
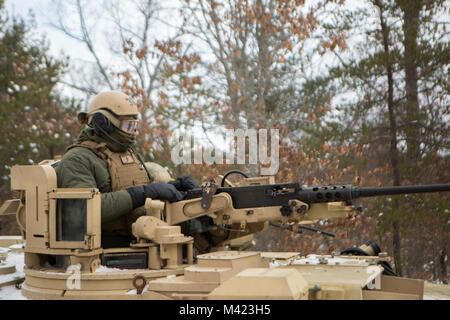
393 139
411 11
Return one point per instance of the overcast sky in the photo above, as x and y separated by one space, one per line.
59 42
46 12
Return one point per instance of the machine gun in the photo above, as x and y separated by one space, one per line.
249 208
281 194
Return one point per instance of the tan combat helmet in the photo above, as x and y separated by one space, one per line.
117 107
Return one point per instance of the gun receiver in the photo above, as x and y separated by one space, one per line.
279 194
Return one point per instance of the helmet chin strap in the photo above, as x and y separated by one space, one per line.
103 131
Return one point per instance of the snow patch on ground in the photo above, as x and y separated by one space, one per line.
16 258
10 292
17 246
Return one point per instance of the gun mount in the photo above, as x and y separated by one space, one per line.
159 264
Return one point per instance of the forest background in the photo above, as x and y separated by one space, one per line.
359 91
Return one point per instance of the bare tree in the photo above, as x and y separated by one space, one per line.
254 45
126 29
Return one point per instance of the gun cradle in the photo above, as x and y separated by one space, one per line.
223 212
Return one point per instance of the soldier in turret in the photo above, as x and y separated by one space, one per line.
104 157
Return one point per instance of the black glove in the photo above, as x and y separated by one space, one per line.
185 183
157 190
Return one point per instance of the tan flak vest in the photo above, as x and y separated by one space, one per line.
124 168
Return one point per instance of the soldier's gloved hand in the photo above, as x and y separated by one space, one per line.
184 183
157 190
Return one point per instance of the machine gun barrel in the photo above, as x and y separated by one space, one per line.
386 191
348 193
280 194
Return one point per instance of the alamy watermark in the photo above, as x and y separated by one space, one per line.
376 281
189 150
73 282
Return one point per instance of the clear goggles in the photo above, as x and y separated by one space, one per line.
129 126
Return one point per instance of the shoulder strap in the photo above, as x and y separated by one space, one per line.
99 148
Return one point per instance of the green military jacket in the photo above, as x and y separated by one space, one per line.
82 168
